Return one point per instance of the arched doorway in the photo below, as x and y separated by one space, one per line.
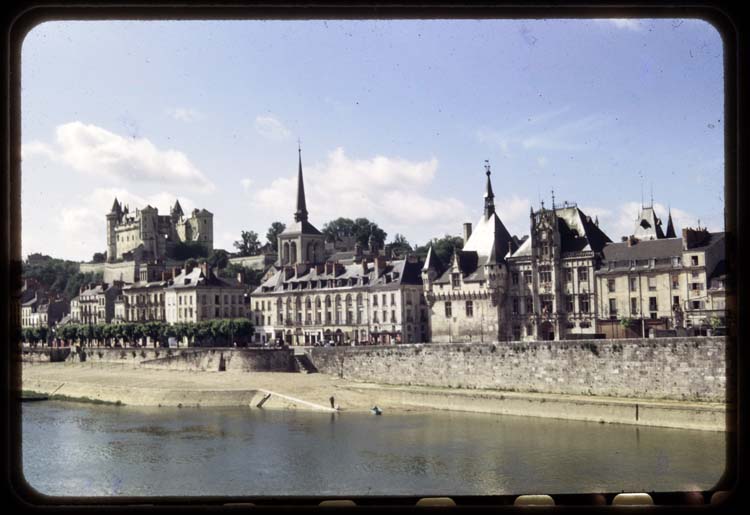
547 331
339 337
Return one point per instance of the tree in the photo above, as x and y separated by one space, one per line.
273 234
188 249
218 258
443 247
248 244
99 257
400 245
360 229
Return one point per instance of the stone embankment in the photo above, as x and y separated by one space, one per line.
678 383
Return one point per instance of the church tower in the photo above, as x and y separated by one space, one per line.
301 242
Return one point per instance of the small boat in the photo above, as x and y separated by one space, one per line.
376 411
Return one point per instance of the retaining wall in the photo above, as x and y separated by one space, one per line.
683 368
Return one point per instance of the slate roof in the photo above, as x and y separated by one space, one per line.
395 273
489 239
662 248
301 227
196 278
648 225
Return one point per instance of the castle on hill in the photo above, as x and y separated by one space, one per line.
148 236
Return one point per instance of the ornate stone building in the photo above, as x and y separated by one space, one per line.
551 289
467 298
147 236
310 300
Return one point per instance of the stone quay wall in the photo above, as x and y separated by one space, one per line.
192 359
686 368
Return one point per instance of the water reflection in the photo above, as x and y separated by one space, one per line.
73 449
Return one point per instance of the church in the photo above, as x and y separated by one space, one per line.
314 300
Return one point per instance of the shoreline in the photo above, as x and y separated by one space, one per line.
113 384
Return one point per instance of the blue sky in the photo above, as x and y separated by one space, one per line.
396 119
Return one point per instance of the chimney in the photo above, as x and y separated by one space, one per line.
632 240
364 267
692 238
379 265
467 232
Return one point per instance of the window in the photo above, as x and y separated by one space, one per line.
456 280
393 299
695 286
633 284
217 299
610 285
514 278
448 310
613 306
583 302
529 304
633 305
583 275
375 316
652 283
694 260
516 332
696 304
470 307
384 301
675 281
694 274
515 305
546 301
569 303
652 304
676 301
374 300
393 317
527 277
545 274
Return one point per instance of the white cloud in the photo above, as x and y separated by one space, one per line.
386 190
246 183
271 128
96 151
184 114
545 131
623 23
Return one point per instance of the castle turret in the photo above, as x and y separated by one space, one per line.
113 218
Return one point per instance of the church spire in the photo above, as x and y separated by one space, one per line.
489 197
670 227
301 214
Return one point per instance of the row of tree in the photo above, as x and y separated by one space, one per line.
361 230
207 333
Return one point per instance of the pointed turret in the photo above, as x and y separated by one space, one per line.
670 227
116 208
301 214
489 196
432 262
177 209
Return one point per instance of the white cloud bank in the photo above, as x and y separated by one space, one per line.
271 128
184 114
96 151
386 190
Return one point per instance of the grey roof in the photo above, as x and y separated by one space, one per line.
646 249
432 261
648 225
145 285
196 278
301 227
490 239
670 227
395 273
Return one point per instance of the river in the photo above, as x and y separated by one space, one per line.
73 449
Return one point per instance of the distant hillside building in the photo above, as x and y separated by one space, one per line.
147 236
95 303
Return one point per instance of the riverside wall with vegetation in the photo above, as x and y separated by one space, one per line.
689 368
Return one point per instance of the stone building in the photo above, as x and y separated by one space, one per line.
467 297
95 303
39 311
663 283
198 294
311 300
551 289
146 235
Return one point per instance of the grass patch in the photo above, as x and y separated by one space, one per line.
87 400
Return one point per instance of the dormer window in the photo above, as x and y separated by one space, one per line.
456 280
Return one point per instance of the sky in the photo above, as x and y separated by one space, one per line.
395 119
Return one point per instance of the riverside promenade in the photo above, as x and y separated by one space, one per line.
134 386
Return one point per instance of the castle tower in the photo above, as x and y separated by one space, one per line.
301 242
113 218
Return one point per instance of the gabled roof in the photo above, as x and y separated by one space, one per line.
490 239
301 227
670 227
578 232
648 225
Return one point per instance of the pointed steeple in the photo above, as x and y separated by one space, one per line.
301 214
670 227
432 262
116 207
489 197
177 208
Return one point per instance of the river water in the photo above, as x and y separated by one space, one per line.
72 449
